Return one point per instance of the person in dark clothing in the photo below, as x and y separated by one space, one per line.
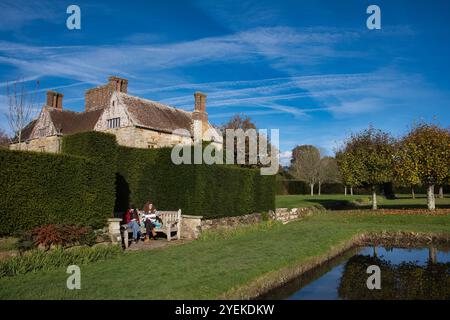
132 220
150 216
150 230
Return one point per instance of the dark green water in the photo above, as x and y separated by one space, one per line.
419 273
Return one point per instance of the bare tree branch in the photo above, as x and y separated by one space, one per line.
21 107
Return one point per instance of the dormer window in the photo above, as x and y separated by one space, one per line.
113 123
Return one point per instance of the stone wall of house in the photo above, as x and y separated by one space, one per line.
115 109
43 138
144 138
47 144
131 136
44 126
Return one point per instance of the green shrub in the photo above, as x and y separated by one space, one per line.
44 188
24 241
265 216
46 260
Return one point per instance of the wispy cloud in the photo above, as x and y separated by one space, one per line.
163 68
15 14
279 45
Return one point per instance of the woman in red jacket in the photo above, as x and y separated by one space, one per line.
132 220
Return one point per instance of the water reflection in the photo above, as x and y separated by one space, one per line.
420 273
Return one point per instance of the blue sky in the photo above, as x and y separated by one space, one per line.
309 68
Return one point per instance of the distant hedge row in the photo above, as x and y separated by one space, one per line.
286 187
207 190
42 188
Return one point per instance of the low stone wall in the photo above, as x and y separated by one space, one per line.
192 226
231 221
285 215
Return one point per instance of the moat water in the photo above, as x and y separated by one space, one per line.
418 273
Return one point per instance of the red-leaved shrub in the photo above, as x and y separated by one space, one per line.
61 235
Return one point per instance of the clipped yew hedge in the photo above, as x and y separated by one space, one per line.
43 188
102 149
94 177
207 190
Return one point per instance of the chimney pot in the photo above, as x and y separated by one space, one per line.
54 99
118 84
200 102
199 115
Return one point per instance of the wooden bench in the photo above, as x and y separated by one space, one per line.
171 221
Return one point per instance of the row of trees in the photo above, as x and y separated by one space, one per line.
310 165
373 157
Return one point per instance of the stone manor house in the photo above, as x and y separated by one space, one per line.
136 122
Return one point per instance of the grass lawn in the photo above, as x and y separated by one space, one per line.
209 267
333 201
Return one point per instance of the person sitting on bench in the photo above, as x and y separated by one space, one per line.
132 220
151 221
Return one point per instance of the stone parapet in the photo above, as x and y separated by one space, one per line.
191 226
114 230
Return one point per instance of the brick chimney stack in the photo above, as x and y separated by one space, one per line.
54 99
99 98
199 115
200 102
118 84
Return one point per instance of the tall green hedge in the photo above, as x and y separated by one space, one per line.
42 188
94 177
102 149
207 190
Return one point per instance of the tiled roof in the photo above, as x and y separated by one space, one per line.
146 113
68 122
26 132
155 115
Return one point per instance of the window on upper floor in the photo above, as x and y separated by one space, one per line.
113 123
42 132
